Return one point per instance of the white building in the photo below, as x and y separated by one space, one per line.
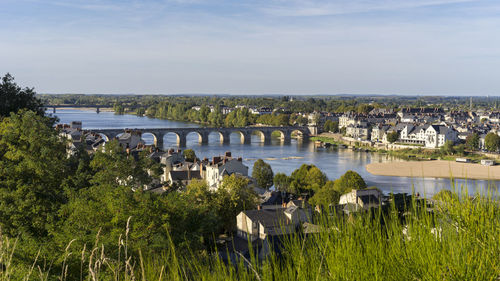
350 119
437 135
218 168
358 132
362 198
379 133
413 134
261 110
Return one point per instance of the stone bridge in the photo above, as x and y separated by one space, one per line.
224 133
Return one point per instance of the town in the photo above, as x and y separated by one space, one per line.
249 140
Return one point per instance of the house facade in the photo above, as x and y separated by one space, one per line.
262 223
361 198
437 135
216 170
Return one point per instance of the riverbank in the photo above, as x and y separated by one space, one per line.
435 169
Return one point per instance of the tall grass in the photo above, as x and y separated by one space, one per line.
458 239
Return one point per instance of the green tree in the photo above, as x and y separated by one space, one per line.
281 182
350 180
263 173
315 178
392 137
232 197
326 196
204 112
216 118
307 179
448 148
472 141
189 155
118 108
32 168
459 149
492 142
115 167
13 98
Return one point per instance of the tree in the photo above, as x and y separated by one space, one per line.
189 155
307 178
460 149
392 137
331 126
472 141
281 182
118 108
204 112
263 173
115 167
13 98
315 178
350 180
232 197
492 142
32 167
448 148
326 196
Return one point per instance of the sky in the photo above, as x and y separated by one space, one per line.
406 47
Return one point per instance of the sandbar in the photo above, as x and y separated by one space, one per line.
435 169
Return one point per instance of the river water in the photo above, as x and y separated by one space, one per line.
282 157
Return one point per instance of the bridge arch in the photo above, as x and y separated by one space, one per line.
298 134
177 138
201 137
243 136
214 136
263 134
104 136
149 138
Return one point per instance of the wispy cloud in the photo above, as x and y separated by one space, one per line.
301 8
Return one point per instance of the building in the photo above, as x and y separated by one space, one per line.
263 223
437 135
379 133
350 119
130 139
214 172
360 132
361 199
414 135
183 176
261 110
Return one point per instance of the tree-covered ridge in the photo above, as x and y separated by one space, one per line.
330 103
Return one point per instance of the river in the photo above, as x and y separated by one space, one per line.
283 157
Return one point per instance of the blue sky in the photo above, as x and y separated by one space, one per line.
422 47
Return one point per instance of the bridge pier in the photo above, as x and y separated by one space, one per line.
203 138
287 137
225 137
97 110
245 136
53 110
266 137
181 140
158 139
